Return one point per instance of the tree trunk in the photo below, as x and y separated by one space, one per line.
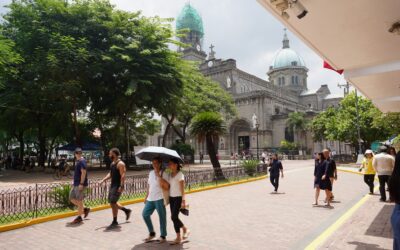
170 123
51 148
21 146
42 144
213 158
76 128
176 130
164 141
126 135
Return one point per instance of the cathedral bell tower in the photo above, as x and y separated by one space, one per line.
190 21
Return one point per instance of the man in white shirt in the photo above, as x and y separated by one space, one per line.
383 163
155 201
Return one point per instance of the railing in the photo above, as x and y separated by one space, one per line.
44 199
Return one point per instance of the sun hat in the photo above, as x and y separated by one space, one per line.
368 151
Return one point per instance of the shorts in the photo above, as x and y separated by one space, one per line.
113 195
77 194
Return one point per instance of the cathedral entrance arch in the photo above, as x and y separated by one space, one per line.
240 136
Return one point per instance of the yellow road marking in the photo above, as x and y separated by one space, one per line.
342 219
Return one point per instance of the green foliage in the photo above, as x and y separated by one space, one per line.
207 124
297 121
114 66
341 123
183 148
287 145
199 94
61 196
250 166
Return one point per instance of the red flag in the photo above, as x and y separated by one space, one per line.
327 66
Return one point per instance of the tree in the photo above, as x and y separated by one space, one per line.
86 57
199 94
341 123
298 123
208 126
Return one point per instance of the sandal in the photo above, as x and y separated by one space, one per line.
161 240
186 234
148 239
175 242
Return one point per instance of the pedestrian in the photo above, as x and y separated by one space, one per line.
155 201
394 191
369 171
392 152
263 157
318 173
275 168
331 171
117 175
201 157
383 164
80 184
176 181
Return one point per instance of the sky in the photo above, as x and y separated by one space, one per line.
242 30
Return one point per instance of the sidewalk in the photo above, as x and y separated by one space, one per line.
368 228
245 216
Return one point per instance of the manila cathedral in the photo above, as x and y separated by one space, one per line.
262 105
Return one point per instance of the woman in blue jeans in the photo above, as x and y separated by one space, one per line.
394 190
155 201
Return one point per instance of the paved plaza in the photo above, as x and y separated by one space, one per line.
245 216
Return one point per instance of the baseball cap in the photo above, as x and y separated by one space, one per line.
78 150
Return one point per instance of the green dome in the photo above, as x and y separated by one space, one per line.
287 58
190 19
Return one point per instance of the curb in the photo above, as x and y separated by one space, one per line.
35 221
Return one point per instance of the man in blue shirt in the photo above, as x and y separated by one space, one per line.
275 168
80 184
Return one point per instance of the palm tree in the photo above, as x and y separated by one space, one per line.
208 126
298 124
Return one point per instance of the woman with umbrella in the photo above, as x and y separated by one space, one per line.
155 199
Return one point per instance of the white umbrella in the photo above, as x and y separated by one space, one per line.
152 152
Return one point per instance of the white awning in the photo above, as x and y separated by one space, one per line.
354 36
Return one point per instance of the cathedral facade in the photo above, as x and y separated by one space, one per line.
263 106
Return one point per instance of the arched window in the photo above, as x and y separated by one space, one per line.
293 79
297 80
283 81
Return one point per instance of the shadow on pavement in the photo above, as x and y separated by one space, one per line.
361 245
277 193
155 245
380 226
114 229
324 206
70 224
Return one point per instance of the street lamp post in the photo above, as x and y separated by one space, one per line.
358 125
